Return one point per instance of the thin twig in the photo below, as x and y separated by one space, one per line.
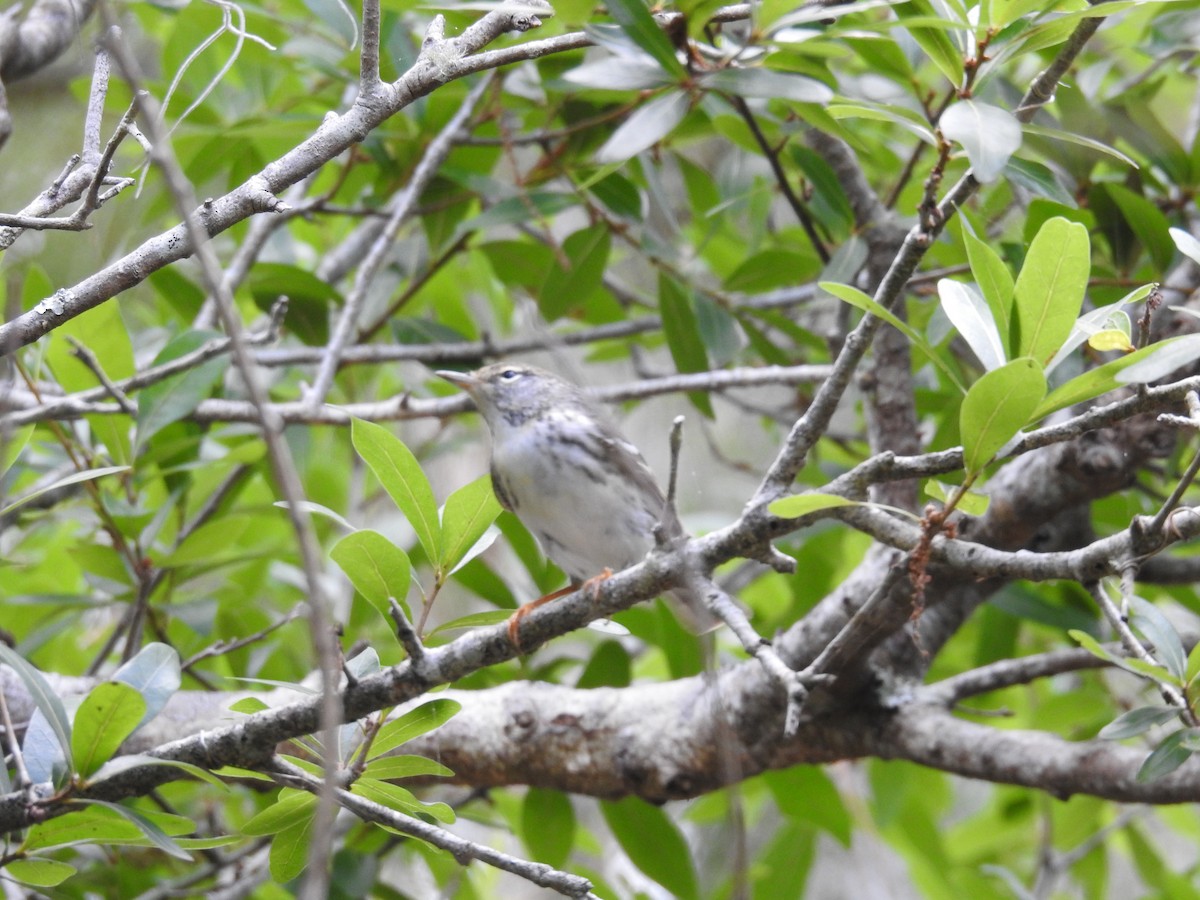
439 148
461 849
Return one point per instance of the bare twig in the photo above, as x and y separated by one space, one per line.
461 849
439 148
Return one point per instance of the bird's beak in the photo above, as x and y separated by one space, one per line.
465 380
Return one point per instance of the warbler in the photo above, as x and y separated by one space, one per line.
562 467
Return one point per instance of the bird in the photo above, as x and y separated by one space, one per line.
581 488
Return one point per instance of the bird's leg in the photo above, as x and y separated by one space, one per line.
592 584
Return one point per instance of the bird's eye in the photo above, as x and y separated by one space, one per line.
510 374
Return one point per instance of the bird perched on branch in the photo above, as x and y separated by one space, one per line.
572 478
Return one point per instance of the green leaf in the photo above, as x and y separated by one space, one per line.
682 330
178 396
291 808
405 766
907 119
609 666
996 407
76 478
475 620
309 298
653 843
1147 222
802 504
103 332
1112 375
413 723
1193 664
90 825
807 794
44 698
570 288
149 828
970 502
108 714
1168 756
401 799
289 850
467 515
212 543
995 282
376 567
38 872
1137 721
635 20
548 826
401 476
1049 291
1080 140
939 47
12 445
1157 629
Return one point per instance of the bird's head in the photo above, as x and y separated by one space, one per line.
512 393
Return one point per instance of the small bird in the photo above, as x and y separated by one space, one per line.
562 467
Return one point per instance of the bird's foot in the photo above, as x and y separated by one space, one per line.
592 585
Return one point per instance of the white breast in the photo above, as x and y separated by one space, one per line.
558 491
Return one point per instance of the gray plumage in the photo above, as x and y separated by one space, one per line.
562 467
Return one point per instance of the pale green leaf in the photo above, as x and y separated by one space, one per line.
404 766
995 282
1186 244
988 134
467 515
998 406
802 504
155 674
108 714
767 84
38 872
413 723
971 315
289 850
645 127
292 808
1158 630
